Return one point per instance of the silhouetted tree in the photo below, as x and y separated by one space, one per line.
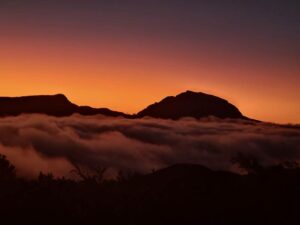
7 170
247 162
124 176
92 174
45 178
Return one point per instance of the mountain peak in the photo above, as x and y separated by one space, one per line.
189 92
59 95
193 94
191 104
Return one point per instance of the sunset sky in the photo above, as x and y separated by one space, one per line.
127 54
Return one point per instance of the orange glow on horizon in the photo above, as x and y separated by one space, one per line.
127 78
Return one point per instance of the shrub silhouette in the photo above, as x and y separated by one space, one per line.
7 170
90 175
247 162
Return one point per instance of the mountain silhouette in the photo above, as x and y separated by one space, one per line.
52 105
191 104
187 104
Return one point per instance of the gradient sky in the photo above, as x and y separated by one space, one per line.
126 54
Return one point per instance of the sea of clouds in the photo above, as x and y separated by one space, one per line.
35 143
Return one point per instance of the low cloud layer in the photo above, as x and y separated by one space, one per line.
37 143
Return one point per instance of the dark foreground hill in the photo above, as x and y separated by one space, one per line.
187 104
181 194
